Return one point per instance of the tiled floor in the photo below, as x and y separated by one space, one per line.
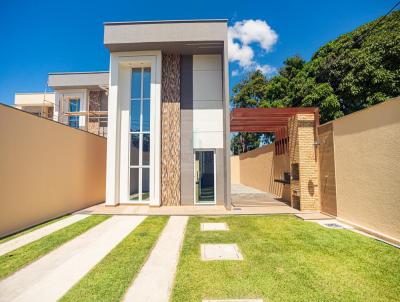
188 210
245 200
244 196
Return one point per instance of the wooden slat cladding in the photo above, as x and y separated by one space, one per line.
170 130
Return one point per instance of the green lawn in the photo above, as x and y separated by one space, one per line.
109 279
287 259
15 260
28 230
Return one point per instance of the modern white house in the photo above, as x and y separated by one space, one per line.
168 113
164 107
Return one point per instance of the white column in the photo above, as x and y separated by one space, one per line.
113 137
155 151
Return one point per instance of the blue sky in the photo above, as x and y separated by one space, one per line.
52 36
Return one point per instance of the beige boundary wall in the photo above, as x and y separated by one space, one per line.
260 168
235 169
367 169
46 169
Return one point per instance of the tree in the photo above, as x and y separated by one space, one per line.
249 93
354 71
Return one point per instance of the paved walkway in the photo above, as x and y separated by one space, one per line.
245 201
13 244
244 196
50 277
261 208
242 189
154 281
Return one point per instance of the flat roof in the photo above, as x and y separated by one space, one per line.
78 72
167 21
72 80
182 36
34 99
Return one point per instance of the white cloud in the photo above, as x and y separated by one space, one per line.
243 54
244 33
235 73
265 69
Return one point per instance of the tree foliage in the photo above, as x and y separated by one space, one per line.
357 70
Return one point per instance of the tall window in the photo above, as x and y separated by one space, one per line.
139 169
74 106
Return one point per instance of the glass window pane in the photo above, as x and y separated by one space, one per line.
134 184
146 115
134 149
145 184
136 83
204 177
135 116
146 150
74 105
146 82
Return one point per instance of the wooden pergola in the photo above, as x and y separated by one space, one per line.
268 120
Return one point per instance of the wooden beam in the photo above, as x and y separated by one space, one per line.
265 119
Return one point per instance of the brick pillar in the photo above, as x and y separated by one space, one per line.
302 154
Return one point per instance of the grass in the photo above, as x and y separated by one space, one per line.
287 259
28 230
110 278
15 260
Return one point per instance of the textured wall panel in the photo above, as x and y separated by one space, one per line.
187 157
170 130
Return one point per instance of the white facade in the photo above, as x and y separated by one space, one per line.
208 120
62 98
118 144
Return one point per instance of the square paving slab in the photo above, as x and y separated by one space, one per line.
333 224
211 252
214 226
239 300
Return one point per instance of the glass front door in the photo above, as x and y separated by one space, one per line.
204 174
139 162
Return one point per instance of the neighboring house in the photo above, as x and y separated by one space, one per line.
40 103
166 112
81 100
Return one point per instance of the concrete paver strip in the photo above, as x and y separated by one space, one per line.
50 277
22 240
314 215
154 281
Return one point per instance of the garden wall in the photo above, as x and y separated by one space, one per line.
366 147
235 169
260 168
47 169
